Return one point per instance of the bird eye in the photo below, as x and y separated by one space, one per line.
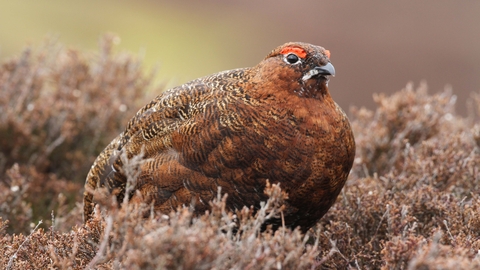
292 58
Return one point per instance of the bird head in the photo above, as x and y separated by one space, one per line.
301 68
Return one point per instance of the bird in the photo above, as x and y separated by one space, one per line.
236 129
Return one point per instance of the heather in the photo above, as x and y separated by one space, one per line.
412 200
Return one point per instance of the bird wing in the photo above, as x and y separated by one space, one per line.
156 143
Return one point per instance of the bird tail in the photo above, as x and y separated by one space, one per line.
100 168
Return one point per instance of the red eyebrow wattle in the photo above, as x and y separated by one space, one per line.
298 51
327 52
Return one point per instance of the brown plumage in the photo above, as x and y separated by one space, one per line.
237 129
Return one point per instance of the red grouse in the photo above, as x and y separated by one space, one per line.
237 129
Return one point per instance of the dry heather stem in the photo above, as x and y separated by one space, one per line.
12 258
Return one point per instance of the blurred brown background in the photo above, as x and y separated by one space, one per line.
377 46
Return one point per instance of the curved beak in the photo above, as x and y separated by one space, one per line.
326 70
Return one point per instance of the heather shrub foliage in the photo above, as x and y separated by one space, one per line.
59 107
412 200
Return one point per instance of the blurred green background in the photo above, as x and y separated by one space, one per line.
184 44
377 46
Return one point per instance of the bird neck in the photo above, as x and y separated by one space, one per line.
316 89
291 90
